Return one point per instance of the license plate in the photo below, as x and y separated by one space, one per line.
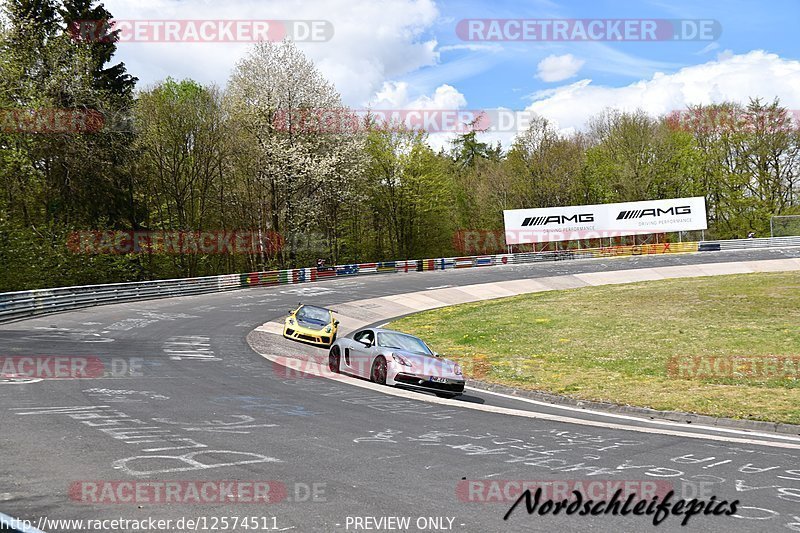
436 379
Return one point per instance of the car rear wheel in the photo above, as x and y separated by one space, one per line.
378 374
333 359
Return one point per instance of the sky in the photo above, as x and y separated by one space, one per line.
424 54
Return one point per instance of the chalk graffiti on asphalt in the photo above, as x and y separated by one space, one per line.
697 475
161 436
378 402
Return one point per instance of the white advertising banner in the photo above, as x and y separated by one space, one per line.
550 224
659 216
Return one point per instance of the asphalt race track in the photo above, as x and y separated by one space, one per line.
181 396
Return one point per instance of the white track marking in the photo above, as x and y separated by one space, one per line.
315 369
752 433
189 459
189 348
10 380
308 291
421 301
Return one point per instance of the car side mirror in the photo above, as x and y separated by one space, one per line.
335 322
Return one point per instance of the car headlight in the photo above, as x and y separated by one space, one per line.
401 360
291 322
328 329
457 370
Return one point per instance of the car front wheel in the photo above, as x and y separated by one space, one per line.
333 359
378 374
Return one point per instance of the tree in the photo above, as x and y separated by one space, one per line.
547 166
183 151
749 163
411 194
271 95
53 181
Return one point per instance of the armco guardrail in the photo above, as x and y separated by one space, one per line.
742 244
23 304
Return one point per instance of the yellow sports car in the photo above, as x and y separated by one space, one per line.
311 324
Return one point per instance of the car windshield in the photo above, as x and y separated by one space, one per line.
404 342
314 314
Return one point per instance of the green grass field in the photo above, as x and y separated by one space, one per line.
614 343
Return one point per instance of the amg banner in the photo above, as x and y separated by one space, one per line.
550 224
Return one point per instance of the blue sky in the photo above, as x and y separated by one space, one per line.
506 76
406 54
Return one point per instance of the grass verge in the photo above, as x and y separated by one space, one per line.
690 345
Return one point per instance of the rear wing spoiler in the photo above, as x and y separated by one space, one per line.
318 307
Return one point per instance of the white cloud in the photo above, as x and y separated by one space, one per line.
725 54
558 68
729 78
605 57
372 42
395 95
708 48
448 99
472 47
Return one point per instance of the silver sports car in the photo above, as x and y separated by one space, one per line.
393 358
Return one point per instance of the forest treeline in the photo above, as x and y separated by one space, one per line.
183 157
